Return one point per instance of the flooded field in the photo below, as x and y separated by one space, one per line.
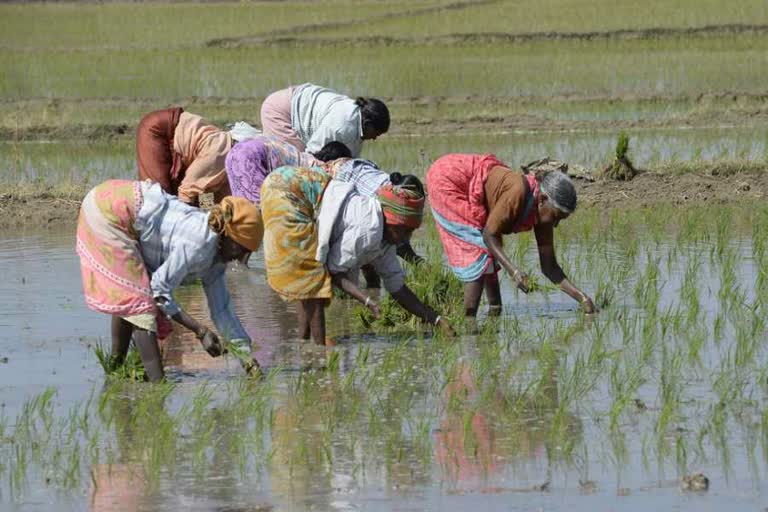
659 402
545 408
75 162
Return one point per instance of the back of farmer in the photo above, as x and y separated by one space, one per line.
184 153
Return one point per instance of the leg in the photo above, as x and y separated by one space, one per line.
493 294
302 309
372 279
121 340
472 293
316 315
146 342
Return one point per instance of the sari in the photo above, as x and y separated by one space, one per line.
456 187
290 203
249 163
115 278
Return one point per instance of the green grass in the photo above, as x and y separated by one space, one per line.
81 163
434 113
166 25
131 369
526 16
538 69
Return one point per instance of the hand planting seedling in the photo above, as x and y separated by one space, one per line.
241 350
429 281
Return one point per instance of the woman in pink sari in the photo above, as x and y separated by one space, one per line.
476 200
137 244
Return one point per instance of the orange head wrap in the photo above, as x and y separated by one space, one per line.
240 220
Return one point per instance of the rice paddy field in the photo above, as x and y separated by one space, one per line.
659 401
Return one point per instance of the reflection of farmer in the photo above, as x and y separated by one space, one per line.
472 449
476 199
309 117
137 244
368 178
184 153
120 486
250 162
310 245
465 456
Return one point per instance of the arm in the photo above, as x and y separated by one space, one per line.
552 270
393 276
220 305
226 320
341 280
493 242
209 340
165 279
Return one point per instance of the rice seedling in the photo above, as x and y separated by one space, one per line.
131 368
432 283
621 168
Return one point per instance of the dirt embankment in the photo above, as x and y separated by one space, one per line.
713 186
693 188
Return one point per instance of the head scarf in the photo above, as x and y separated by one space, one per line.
401 206
240 220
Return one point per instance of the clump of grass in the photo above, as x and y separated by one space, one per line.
132 368
621 168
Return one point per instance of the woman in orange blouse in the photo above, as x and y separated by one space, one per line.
184 153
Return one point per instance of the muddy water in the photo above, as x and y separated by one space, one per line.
471 458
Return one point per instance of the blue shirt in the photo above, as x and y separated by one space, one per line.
177 244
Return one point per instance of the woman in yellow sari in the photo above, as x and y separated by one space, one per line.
319 232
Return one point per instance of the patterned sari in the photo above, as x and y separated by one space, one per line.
251 161
115 278
290 203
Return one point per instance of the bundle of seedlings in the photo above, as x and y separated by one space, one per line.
431 282
131 368
621 168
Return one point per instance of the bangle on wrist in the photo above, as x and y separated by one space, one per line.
367 301
437 320
203 331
